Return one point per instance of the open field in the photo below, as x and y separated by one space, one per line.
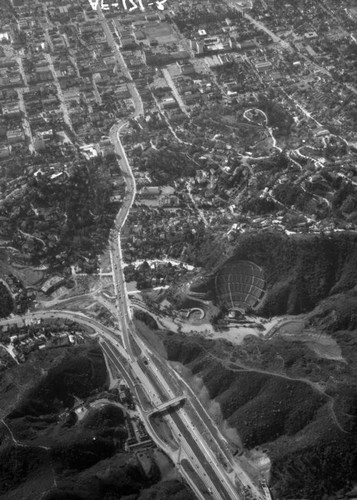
162 32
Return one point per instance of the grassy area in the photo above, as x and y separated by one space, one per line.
150 337
29 276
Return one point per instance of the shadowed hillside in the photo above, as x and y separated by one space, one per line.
287 397
300 270
45 452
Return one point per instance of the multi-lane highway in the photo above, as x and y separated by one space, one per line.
211 475
220 482
118 347
193 449
149 376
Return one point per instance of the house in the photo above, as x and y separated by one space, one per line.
168 102
11 110
15 136
150 191
5 151
186 68
43 74
263 66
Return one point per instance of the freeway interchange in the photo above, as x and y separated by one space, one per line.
150 377
209 477
198 463
197 447
192 453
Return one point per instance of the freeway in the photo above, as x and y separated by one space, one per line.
199 462
78 317
128 354
148 377
206 464
197 451
129 370
189 470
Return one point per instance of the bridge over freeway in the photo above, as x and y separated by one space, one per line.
168 404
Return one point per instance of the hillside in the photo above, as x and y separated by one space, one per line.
61 222
290 393
300 270
287 397
46 453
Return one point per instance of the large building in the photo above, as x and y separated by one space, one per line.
263 66
15 136
11 110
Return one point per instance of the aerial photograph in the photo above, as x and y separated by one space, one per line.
178 249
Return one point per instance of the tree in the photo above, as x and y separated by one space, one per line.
6 301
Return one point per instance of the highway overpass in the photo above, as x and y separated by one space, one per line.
168 404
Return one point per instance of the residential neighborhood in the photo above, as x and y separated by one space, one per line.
178 210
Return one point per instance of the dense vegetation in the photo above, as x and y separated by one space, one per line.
145 318
170 162
277 116
65 221
60 458
267 391
78 374
300 270
295 398
6 302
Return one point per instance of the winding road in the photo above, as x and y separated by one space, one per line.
212 474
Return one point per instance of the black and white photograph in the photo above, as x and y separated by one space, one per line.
178 249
